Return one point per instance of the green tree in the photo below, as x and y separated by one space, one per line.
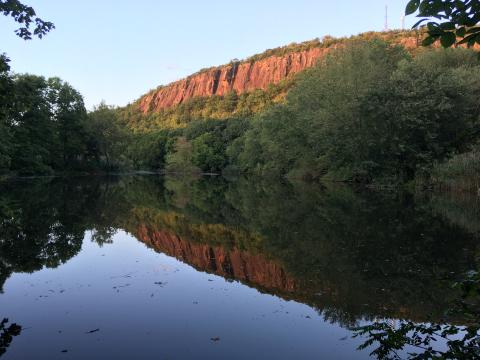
149 150
108 139
368 112
34 134
181 160
69 115
208 152
6 100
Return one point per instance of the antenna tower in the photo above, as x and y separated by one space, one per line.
386 17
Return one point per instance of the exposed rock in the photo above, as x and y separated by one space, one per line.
241 77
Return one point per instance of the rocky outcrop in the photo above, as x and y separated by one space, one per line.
238 76
254 269
245 76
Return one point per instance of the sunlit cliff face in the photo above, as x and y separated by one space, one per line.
243 76
240 77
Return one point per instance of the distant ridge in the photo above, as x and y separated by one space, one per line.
258 71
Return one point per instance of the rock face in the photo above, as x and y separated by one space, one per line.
231 264
245 76
241 77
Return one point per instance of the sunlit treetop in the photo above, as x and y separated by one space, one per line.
453 22
25 15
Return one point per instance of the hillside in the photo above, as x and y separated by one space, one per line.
242 87
256 72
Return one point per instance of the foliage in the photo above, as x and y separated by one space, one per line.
210 140
6 85
369 112
452 20
69 115
180 160
204 108
26 16
46 124
107 138
45 128
249 103
149 150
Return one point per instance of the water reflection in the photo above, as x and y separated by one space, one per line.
352 256
7 333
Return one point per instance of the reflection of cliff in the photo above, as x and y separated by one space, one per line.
349 255
233 263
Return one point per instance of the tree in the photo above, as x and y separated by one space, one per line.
69 114
180 161
107 138
31 25
6 100
448 20
34 135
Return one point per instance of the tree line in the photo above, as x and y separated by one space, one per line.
368 112
45 127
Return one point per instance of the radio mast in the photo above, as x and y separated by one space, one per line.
386 17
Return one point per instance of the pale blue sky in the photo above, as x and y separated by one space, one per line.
116 50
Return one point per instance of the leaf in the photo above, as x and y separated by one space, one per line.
467 39
448 39
418 23
461 32
429 40
447 26
412 6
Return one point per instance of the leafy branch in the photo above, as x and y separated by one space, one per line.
26 16
453 22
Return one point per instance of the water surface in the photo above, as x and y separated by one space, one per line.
147 267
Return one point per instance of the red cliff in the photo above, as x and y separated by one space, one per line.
245 76
241 77
240 265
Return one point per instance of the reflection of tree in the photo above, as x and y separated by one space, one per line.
7 333
353 256
103 235
34 232
42 223
356 256
431 340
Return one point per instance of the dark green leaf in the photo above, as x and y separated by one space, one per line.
412 6
461 32
448 39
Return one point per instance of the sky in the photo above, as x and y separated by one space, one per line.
117 50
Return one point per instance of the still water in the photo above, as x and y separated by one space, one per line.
152 268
